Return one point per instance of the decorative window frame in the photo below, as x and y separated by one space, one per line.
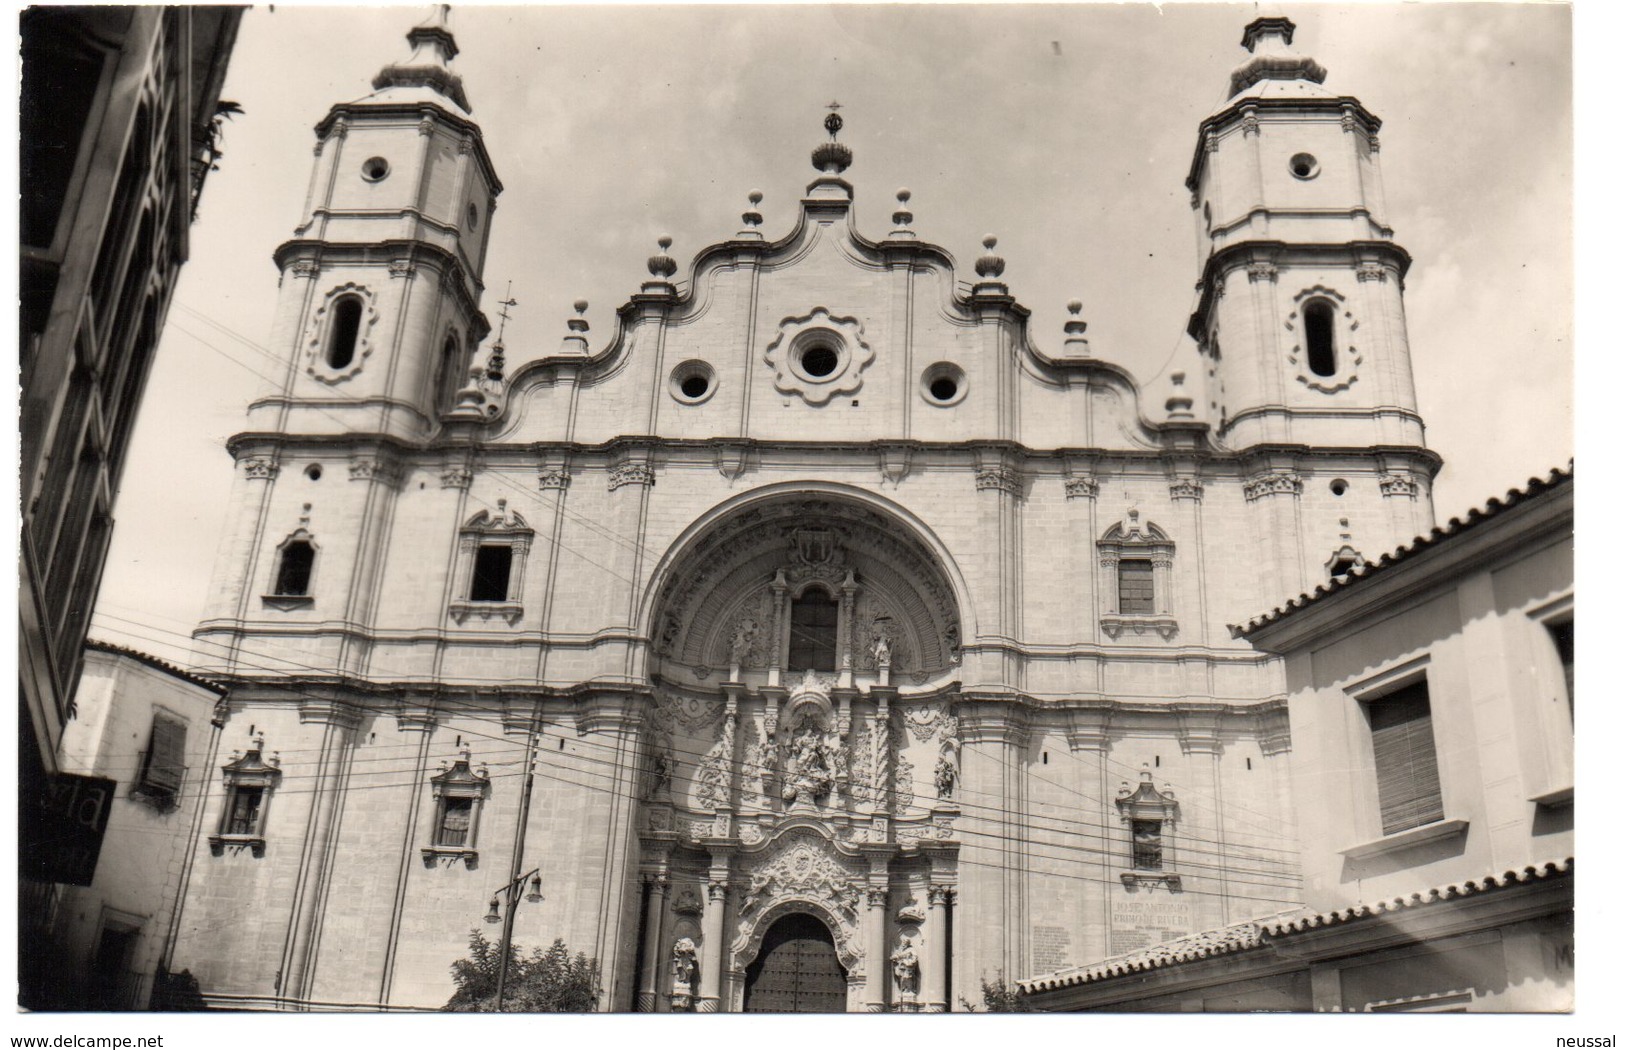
1344 553
248 771
1344 350
843 335
501 528
161 796
287 602
1146 803
458 781
1130 538
321 324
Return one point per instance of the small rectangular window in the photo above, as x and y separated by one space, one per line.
243 814
1147 845
456 818
165 765
1135 594
1407 766
492 565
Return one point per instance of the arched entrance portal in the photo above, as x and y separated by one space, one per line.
797 970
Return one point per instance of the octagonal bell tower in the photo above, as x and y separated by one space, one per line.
1300 319
378 311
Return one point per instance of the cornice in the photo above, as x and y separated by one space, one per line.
384 252
413 112
1235 111
1240 254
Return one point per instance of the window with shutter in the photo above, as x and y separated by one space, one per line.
165 766
243 811
456 817
1147 845
1407 766
1135 596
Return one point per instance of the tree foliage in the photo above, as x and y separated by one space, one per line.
999 997
545 981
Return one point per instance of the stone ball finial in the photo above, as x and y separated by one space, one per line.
662 265
752 217
580 306
833 124
754 196
990 266
902 216
578 323
1074 306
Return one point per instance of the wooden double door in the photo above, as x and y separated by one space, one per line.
797 970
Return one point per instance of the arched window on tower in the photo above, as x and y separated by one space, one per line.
450 374
293 572
1318 324
814 623
344 330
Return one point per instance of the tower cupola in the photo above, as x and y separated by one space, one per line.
429 65
1269 40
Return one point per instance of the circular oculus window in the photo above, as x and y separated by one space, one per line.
373 169
819 357
943 384
1303 166
693 382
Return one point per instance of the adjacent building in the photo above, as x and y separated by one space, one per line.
149 729
1431 697
117 133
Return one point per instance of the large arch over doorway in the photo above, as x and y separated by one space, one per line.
797 969
728 592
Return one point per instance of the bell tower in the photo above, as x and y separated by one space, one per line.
1301 319
378 308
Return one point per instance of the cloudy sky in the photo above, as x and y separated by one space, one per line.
1066 131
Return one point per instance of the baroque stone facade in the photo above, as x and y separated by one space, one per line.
780 666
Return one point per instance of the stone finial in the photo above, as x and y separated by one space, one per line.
990 266
1076 344
576 341
661 265
753 217
832 157
1179 406
902 216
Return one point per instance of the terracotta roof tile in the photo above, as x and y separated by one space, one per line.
154 662
1256 933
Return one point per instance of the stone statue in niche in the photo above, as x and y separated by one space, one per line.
807 771
744 639
905 969
685 962
947 772
882 651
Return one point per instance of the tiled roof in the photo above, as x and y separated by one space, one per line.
1257 933
157 664
1233 938
1536 487
1469 888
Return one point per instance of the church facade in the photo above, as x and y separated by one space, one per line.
822 639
